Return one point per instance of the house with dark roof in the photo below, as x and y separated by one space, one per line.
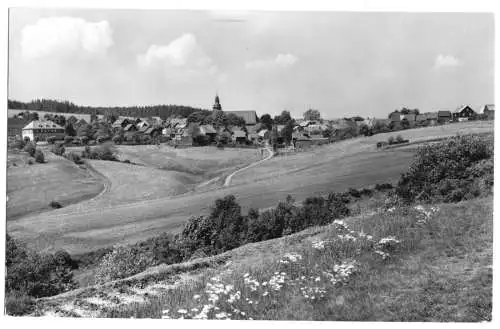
489 111
464 113
15 127
444 116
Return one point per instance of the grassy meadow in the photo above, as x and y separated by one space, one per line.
30 188
334 167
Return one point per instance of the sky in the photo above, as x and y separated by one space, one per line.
341 63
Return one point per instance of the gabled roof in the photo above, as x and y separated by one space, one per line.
239 134
16 123
461 108
42 124
263 132
250 117
489 107
207 129
444 113
129 126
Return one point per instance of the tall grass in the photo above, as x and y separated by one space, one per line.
385 268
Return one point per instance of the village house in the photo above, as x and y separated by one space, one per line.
121 122
444 116
209 131
489 111
15 127
464 113
239 136
130 128
427 118
39 130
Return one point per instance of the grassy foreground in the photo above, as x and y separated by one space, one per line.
418 264
424 263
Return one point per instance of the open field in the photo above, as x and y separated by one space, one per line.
31 188
440 271
335 167
348 153
205 162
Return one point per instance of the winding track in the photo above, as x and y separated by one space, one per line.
228 178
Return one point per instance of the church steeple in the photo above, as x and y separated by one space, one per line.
217 105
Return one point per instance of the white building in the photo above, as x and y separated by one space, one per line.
39 130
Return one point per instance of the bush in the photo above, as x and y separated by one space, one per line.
399 139
383 186
34 274
55 204
354 193
84 140
26 139
18 303
18 144
58 149
39 157
391 140
71 156
117 139
51 139
366 191
31 162
447 171
122 262
30 148
103 152
68 140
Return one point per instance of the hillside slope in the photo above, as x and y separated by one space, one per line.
416 264
331 168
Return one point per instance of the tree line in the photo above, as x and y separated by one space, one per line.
48 105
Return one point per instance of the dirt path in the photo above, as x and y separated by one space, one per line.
228 178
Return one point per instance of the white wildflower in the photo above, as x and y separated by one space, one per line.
182 311
318 245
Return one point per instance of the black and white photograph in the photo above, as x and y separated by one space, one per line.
274 164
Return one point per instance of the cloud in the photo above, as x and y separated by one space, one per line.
281 61
443 61
183 57
65 36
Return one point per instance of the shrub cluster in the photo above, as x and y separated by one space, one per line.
225 228
72 156
459 168
39 156
30 148
58 149
30 274
122 262
102 152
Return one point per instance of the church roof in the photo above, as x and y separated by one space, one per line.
250 117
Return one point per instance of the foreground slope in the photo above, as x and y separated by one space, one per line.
406 265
